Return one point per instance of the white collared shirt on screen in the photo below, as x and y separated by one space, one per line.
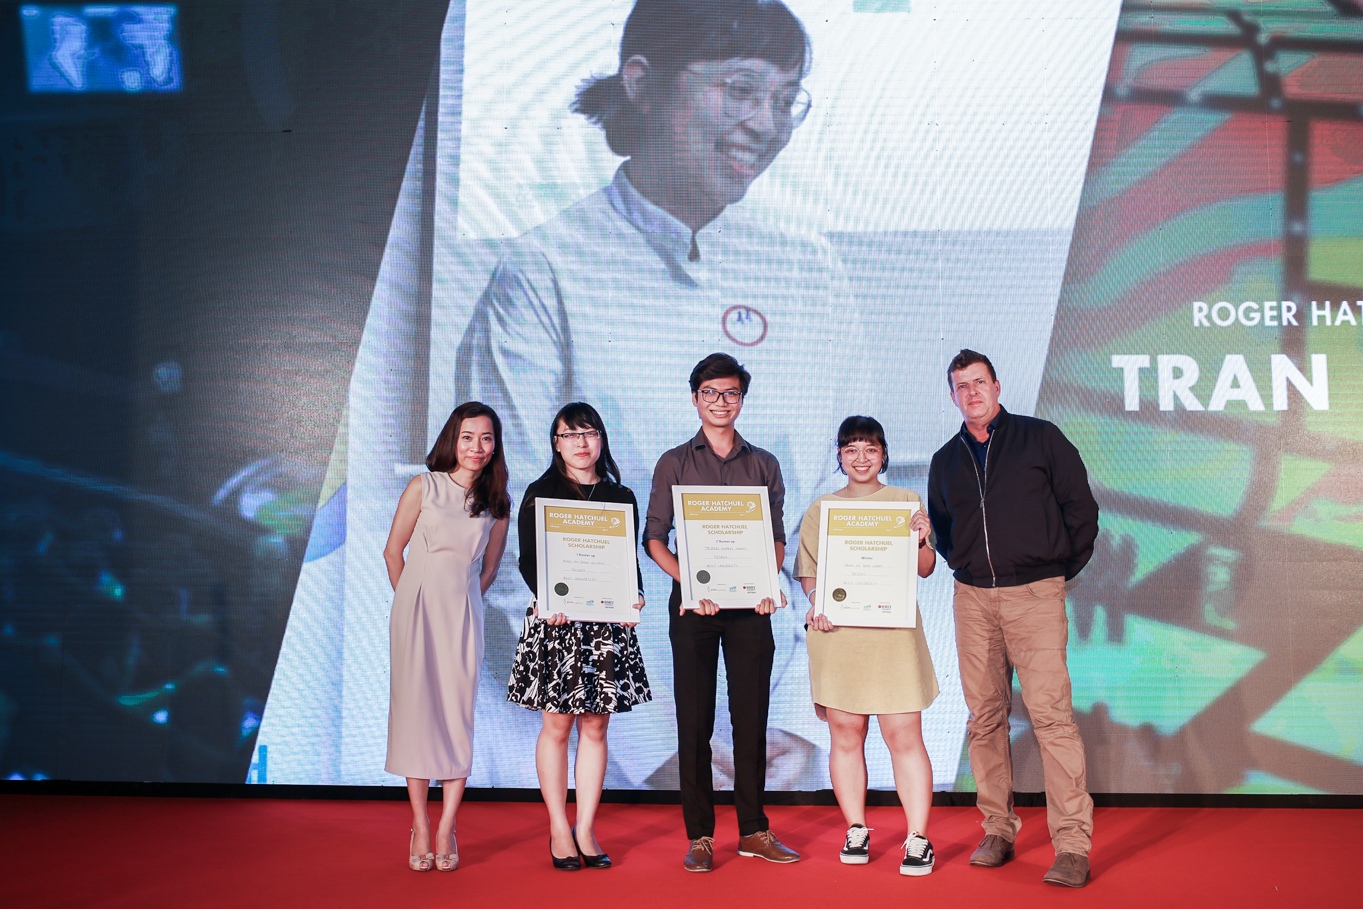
607 304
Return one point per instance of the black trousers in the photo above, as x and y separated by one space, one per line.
749 649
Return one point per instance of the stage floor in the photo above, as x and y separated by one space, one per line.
153 852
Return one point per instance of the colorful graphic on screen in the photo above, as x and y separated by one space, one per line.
1206 360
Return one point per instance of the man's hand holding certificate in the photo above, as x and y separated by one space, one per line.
868 565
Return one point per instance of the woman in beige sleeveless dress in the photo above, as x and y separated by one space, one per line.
857 672
453 523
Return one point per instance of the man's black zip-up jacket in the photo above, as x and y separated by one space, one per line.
1027 516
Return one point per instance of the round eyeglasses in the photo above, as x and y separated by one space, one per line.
745 93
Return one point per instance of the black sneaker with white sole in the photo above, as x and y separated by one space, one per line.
856 849
918 856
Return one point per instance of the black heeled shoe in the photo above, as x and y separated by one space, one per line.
571 863
591 861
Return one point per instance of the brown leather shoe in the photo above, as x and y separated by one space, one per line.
992 852
701 856
1070 870
764 845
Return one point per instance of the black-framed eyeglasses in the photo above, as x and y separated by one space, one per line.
573 435
711 395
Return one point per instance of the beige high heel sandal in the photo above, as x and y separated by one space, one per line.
418 862
448 861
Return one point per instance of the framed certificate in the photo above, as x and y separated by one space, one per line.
725 545
868 564
585 560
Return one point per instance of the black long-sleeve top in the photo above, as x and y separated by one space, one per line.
552 485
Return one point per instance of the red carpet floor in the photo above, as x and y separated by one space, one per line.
143 852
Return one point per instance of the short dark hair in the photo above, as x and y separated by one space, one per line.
720 366
968 357
581 415
671 35
489 488
863 429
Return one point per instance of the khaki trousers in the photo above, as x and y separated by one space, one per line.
1023 628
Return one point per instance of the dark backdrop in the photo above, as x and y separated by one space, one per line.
185 280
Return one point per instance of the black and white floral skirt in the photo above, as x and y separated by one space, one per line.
580 667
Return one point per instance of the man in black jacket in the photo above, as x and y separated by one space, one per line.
1015 519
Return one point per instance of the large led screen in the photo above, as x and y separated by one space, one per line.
925 204
254 268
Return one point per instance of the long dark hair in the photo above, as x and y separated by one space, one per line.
863 429
489 487
581 415
672 34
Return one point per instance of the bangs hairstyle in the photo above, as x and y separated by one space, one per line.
489 487
581 415
671 35
863 429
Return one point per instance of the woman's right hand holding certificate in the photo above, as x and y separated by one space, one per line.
818 622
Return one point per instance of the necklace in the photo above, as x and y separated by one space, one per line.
591 490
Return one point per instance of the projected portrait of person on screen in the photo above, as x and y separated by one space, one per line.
613 298
855 672
899 201
452 522
575 673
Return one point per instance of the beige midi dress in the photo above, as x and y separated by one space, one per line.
436 637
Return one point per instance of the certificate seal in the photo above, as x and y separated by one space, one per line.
561 589
839 595
703 576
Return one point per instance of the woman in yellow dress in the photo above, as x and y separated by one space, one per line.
857 672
